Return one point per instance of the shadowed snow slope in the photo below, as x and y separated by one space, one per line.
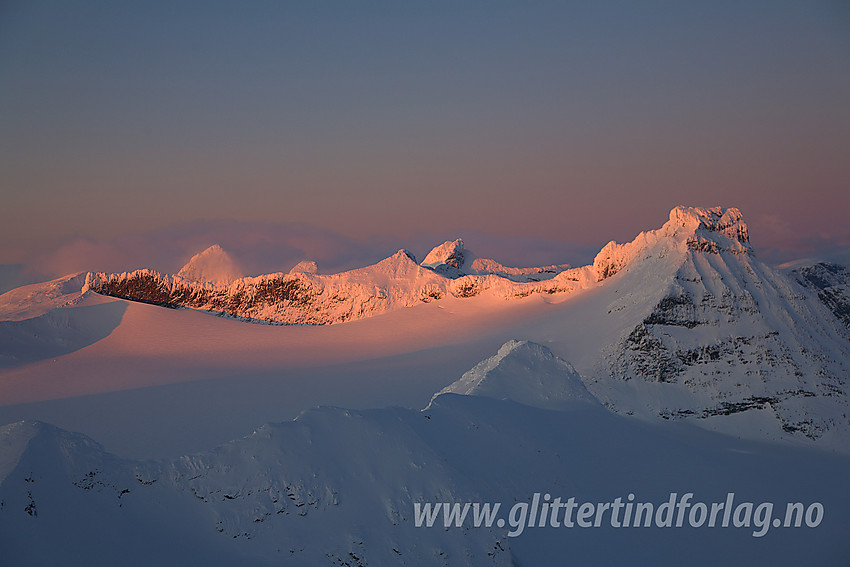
57 332
37 299
338 486
831 282
527 373
51 319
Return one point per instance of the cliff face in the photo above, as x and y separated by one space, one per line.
831 282
296 298
715 332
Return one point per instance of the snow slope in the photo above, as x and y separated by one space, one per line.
831 282
33 300
46 320
58 332
337 487
527 373
721 339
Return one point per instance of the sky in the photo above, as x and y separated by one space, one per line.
538 131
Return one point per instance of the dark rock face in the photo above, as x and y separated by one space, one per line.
467 288
282 290
607 271
831 282
154 288
645 355
147 287
676 310
455 259
730 336
703 245
307 298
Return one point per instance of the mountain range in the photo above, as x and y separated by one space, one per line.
677 361
695 326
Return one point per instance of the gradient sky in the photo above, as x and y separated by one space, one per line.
575 122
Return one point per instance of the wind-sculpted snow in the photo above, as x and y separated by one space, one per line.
34 300
46 320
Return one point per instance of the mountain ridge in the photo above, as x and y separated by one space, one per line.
681 323
338 486
305 297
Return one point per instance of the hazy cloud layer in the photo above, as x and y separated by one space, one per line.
260 248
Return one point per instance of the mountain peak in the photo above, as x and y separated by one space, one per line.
450 253
212 265
305 267
19 437
700 229
726 221
525 372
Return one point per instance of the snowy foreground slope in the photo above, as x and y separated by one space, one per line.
338 487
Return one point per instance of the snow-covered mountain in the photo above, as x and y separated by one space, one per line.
711 334
453 260
527 373
681 327
338 487
304 297
213 265
446 257
682 323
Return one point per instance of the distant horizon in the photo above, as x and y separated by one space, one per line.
261 248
